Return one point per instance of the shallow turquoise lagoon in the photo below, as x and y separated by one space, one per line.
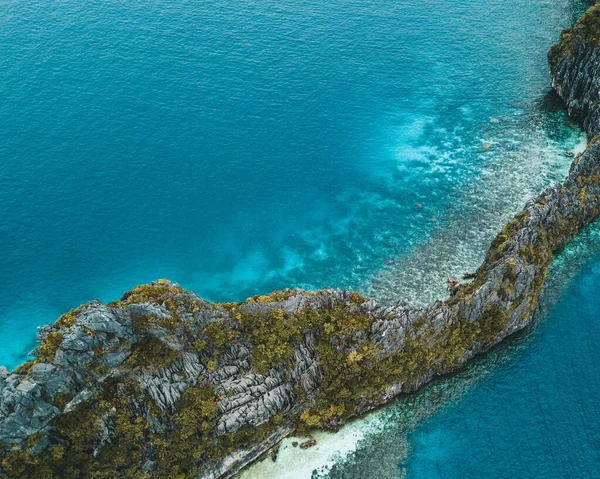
241 147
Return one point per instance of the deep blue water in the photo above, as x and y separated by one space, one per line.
241 147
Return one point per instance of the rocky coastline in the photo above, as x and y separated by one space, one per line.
164 384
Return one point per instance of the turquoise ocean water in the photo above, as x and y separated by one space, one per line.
243 147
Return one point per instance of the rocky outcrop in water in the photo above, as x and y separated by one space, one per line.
574 65
163 384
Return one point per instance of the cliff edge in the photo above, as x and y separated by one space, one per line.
164 384
574 65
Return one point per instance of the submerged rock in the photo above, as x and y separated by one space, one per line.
307 444
275 453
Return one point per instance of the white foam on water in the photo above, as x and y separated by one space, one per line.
581 146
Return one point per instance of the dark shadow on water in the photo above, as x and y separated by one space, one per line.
554 118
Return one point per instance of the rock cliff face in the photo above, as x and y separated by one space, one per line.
574 65
163 384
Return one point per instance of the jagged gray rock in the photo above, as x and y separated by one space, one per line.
162 373
574 64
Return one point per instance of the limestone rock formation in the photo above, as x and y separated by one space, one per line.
164 384
574 64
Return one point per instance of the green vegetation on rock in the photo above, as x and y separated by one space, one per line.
586 30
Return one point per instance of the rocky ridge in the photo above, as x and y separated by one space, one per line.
164 384
574 65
